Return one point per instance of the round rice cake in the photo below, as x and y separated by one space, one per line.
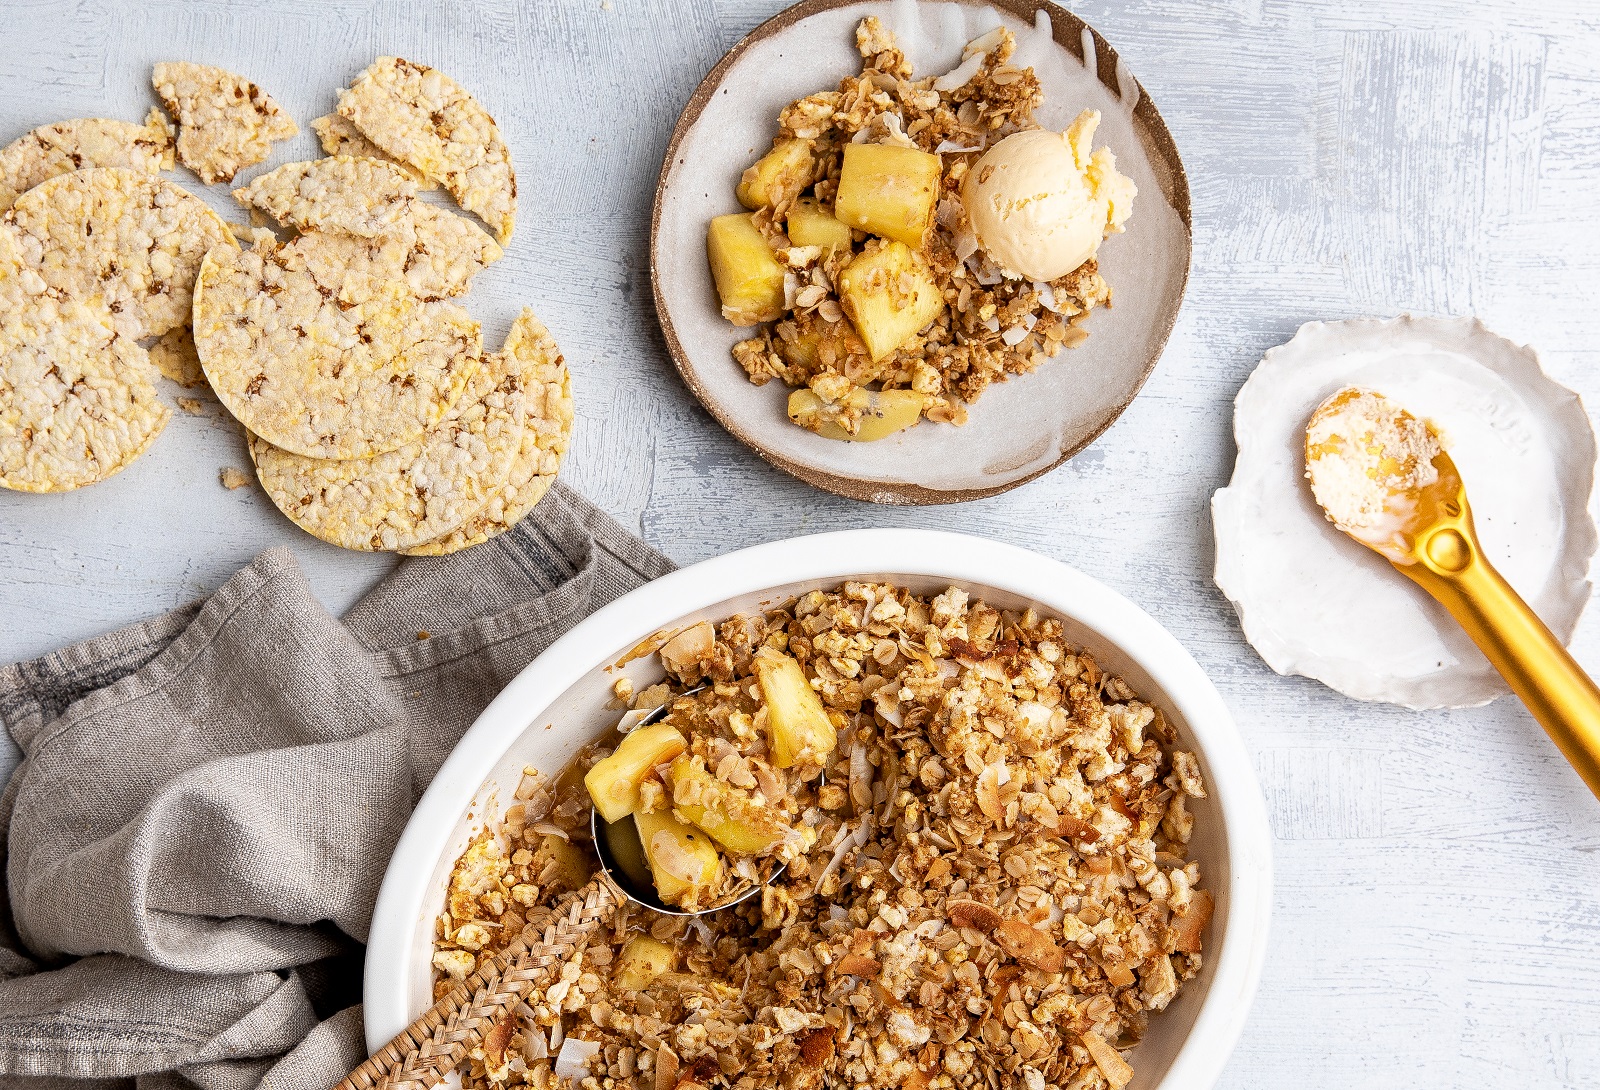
365 197
413 494
135 240
320 377
78 401
421 116
546 433
80 144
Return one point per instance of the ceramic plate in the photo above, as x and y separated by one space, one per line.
1018 429
1312 601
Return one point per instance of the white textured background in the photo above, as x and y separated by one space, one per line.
1438 907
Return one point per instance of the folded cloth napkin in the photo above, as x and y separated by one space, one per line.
207 801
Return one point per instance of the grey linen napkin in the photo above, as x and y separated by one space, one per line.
207 801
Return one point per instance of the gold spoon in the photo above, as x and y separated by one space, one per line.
1369 465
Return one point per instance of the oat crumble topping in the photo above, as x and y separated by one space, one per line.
997 893
991 327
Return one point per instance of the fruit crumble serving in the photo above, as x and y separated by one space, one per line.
912 240
995 887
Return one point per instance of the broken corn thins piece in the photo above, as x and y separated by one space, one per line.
683 861
642 960
889 191
809 224
797 723
890 295
779 176
613 783
725 813
881 413
748 276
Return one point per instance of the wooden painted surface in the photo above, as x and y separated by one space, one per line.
1438 906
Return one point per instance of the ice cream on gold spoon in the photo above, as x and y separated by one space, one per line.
1384 478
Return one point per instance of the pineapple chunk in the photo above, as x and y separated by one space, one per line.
572 866
749 278
890 295
889 191
728 815
796 720
614 782
779 176
802 351
684 864
882 413
810 224
641 961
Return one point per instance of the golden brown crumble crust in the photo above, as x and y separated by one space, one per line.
998 894
992 327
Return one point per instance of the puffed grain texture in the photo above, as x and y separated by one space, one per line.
546 434
409 495
320 377
225 122
421 116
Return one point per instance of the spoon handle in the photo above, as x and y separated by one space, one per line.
1451 567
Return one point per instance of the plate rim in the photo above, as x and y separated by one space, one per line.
1164 157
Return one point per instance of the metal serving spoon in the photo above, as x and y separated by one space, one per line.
1430 538
621 851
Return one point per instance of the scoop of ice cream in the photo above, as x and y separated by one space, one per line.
1368 461
1040 203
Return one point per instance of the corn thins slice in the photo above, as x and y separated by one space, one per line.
135 240
322 377
79 145
421 116
546 433
225 122
340 137
418 492
77 400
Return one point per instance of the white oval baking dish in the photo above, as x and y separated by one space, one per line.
563 699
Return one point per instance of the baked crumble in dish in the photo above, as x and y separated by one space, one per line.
911 240
995 889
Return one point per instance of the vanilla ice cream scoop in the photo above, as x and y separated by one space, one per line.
1040 203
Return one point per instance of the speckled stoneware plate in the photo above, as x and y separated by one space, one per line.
1018 429
1312 601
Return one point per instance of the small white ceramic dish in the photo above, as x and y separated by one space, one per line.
1019 428
1312 601
562 700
